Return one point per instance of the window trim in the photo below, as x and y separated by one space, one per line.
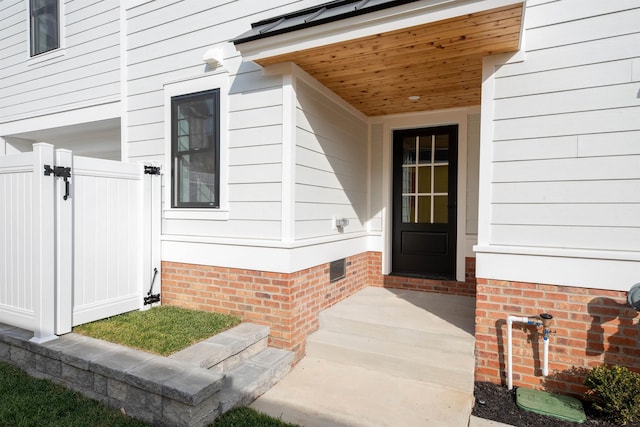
182 85
32 16
175 102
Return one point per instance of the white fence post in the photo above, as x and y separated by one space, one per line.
43 245
151 220
64 247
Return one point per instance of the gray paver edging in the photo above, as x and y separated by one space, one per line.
153 388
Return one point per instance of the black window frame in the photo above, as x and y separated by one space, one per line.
214 148
48 11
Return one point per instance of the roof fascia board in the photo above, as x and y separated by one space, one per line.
405 16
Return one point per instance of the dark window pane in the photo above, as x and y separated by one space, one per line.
409 151
440 210
425 149
441 178
196 180
424 179
195 145
442 149
408 180
408 209
44 26
424 209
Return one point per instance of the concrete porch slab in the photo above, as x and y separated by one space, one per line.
335 387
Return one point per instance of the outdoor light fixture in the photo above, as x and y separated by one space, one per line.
633 297
213 57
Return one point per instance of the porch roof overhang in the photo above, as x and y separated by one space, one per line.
376 57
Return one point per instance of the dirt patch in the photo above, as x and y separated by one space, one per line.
495 402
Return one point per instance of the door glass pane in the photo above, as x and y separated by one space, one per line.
425 149
424 209
442 148
441 179
440 209
408 179
408 209
409 151
424 179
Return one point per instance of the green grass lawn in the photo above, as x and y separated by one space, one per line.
27 401
247 417
161 330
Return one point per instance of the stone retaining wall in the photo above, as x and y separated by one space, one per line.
151 388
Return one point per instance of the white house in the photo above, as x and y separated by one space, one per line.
487 148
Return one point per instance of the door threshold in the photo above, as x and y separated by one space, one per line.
430 276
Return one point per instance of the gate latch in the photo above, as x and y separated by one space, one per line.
60 172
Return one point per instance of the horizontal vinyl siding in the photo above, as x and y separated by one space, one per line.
331 166
566 145
166 42
87 71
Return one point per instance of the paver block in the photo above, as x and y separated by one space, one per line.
23 358
181 414
117 364
151 374
78 376
193 387
82 353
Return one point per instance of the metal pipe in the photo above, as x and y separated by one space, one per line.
510 320
546 322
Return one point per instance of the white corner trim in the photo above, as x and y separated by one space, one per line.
289 106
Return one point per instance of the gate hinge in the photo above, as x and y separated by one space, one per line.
152 298
61 172
152 170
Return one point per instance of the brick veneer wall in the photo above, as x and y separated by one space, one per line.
288 303
592 326
466 288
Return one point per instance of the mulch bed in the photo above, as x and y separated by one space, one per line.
495 402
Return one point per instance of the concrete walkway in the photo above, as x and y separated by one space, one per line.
384 357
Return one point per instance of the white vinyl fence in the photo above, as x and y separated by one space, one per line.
78 249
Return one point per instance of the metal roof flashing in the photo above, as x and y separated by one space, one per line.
318 15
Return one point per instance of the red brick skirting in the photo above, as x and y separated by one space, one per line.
592 326
288 303
466 288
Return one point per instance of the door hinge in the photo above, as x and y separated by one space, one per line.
60 172
152 170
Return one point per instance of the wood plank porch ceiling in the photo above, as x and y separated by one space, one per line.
441 62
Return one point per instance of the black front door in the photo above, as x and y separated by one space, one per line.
424 201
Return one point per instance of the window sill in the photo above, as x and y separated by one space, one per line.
197 214
46 56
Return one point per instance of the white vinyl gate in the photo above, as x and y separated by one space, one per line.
75 249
